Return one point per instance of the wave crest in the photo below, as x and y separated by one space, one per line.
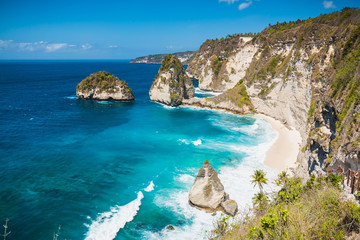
108 224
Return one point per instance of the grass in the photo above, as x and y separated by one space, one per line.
316 209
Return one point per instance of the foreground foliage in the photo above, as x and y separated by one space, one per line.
316 209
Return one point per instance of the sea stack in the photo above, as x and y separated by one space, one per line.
104 86
171 85
208 193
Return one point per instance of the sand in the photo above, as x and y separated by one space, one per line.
282 155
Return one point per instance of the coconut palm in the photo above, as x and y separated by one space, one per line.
259 199
259 179
282 179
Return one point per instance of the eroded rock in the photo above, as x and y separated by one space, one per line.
208 192
171 85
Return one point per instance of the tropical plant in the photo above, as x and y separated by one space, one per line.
260 200
259 179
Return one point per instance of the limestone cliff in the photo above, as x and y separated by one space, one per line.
171 85
208 192
104 86
304 73
213 64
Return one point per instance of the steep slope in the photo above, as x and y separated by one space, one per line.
213 64
306 74
171 85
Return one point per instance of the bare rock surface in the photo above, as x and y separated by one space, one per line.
171 85
208 192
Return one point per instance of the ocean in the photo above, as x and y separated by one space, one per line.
111 170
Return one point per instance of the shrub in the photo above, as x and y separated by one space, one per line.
315 209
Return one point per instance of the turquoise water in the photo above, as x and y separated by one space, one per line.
107 170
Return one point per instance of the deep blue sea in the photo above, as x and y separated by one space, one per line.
110 170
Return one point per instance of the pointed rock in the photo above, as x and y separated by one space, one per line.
171 85
208 192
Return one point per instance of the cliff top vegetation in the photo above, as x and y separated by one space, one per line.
102 80
316 209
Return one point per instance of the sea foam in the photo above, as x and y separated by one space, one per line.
107 224
208 93
71 97
150 187
236 179
197 142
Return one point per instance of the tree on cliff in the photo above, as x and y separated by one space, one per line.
259 179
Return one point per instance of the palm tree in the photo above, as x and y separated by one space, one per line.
259 179
282 179
260 199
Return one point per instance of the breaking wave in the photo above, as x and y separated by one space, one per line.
108 224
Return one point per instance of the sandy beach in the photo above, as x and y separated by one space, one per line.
283 153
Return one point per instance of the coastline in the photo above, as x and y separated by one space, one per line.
283 153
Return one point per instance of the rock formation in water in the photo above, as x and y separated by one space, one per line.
104 86
208 192
171 85
303 73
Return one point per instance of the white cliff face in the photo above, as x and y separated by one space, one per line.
237 65
289 97
288 101
160 91
206 77
223 76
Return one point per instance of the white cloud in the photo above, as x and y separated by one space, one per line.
328 4
113 46
244 5
52 47
40 46
86 46
228 1
5 43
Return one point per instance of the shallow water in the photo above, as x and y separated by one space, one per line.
109 170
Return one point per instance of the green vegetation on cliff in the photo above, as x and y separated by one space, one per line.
237 95
102 80
317 209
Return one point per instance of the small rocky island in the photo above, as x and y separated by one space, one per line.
171 85
207 192
104 86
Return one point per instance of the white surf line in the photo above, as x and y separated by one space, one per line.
203 92
108 224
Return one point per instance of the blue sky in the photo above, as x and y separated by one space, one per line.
122 29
